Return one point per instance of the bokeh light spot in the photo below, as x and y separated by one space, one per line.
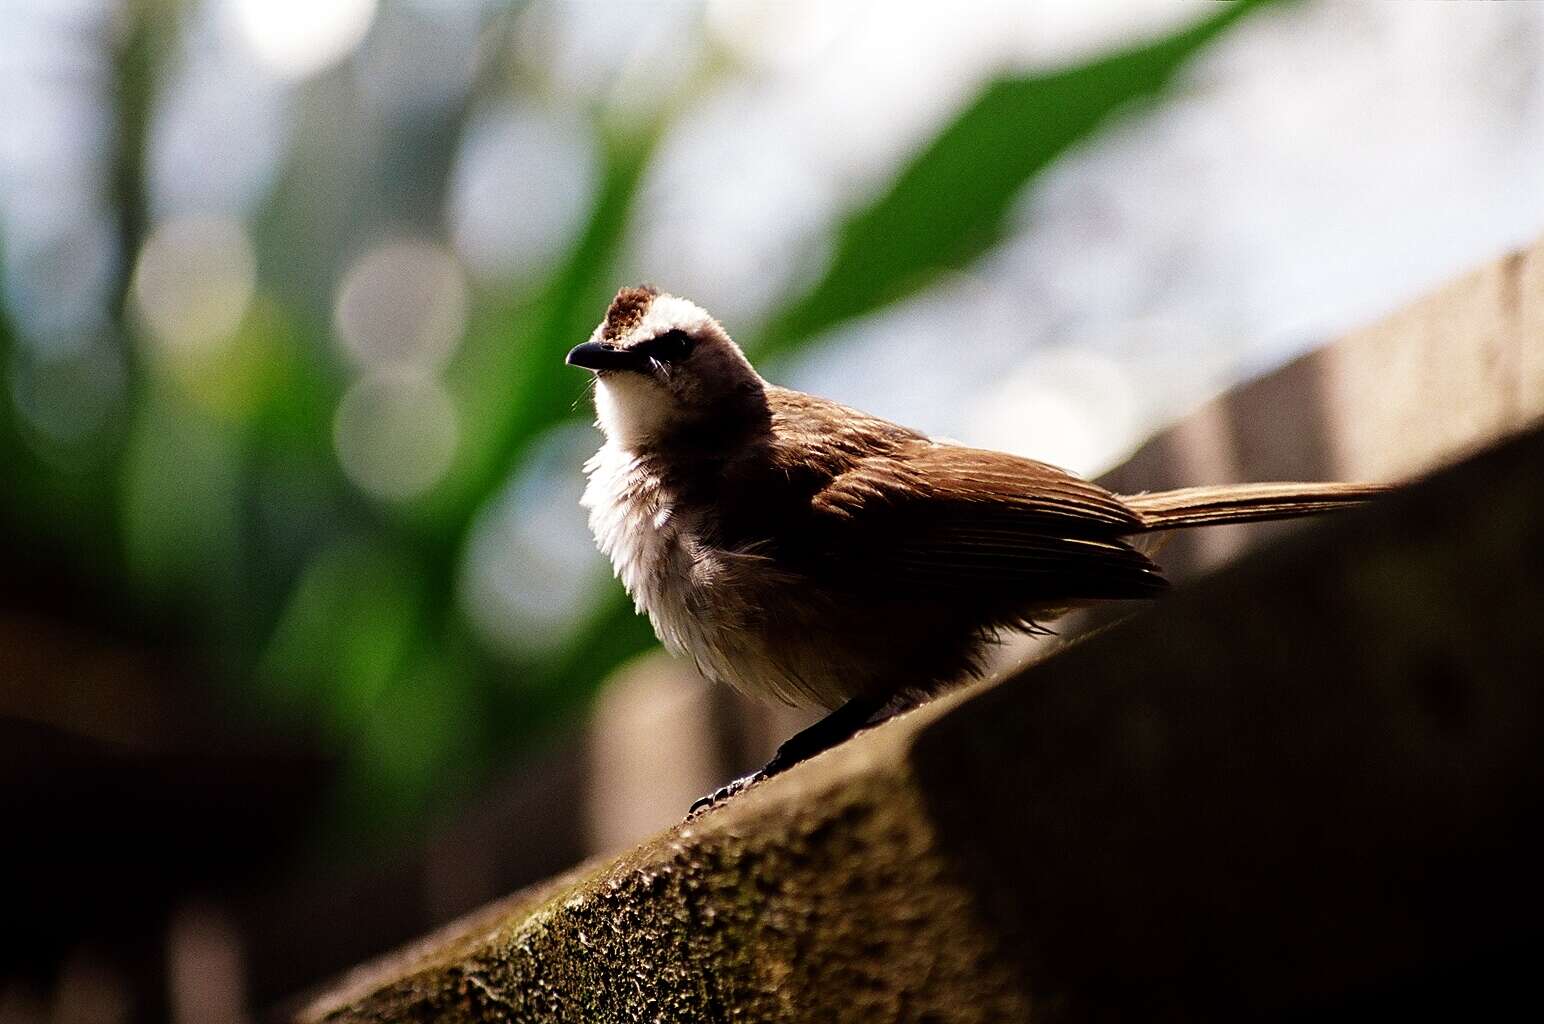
776 34
1074 408
68 398
395 433
403 303
193 282
523 180
297 38
531 573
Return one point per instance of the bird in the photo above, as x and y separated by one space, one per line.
805 552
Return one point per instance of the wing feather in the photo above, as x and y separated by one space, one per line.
1008 531
895 514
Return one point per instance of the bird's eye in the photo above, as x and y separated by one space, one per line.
671 346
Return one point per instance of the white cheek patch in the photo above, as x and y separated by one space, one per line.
632 408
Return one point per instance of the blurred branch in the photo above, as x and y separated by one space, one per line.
71 502
377 670
146 29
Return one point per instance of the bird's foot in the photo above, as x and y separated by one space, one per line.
706 803
836 727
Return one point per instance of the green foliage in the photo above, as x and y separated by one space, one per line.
512 379
181 501
947 205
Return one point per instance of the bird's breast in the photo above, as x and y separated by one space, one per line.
706 602
633 521
658 549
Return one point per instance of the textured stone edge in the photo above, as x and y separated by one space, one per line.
819 895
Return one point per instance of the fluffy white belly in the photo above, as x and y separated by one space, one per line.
705 603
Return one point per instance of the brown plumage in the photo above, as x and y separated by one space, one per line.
801 550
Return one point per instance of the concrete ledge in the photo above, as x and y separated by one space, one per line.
1309 783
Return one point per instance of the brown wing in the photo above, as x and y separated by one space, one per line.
940 520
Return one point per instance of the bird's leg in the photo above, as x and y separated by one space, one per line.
841 724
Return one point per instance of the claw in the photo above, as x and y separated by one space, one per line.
703 804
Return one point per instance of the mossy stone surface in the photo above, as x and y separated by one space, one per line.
821 896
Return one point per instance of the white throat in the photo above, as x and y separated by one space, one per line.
631 409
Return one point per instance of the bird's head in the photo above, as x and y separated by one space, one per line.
667 372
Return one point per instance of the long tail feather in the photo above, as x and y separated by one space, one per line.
1244 503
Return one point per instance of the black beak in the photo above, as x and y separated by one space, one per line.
594 355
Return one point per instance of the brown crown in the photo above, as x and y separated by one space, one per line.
627 309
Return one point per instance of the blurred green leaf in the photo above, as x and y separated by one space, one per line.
948 204
147 29
293 388
513 380
347 631
421 738
61 493
16 463
181 501
511 385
